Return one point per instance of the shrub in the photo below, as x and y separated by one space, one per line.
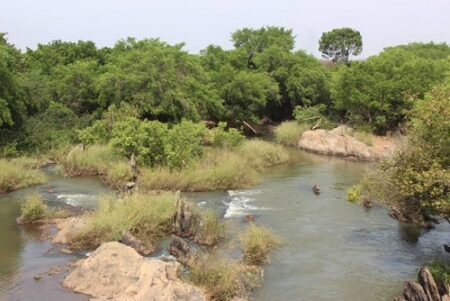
183 144
354 194
289 132
226 139
261 154
148 217
258 243
33 208
224 279
27 162
94 134
14 176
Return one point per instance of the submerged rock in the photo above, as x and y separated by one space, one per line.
117 272
68 229
339 142
179 248
131 241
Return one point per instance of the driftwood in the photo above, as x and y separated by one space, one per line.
248 126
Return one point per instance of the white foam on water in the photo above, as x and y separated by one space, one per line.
240 203
202 203
74 199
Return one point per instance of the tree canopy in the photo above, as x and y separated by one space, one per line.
340 43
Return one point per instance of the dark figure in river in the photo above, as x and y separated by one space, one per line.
316 189
446 248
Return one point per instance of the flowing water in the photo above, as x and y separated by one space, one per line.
333 250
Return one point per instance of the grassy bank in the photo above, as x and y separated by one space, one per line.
217 169
98 160
15 175
258 243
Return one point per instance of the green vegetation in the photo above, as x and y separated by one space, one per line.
225 279
98 160
441 273
262 154
377 92
146 216
258 243
354 194
417 179
14 175
217 170
33 209
365 137
213 230
340 43
289 132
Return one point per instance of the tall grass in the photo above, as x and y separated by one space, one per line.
258 243
14 176
98 160
223 278
212 229
289 132
262 154
146 216
217 170
33 208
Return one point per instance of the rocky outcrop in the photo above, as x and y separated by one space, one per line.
423 290
116 272
185 221
340 142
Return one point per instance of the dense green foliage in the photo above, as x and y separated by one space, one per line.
417 180
63 93
377 92
340 43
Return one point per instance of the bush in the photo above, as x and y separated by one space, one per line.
94 134
14 176
261 154
289 132
147 217
226 139
33 209
354 194
224 279
258 243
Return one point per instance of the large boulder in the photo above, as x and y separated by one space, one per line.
116 272
340 142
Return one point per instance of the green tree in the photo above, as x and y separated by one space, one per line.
376 92
340 43
255 41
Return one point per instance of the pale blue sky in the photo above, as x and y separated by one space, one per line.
202 22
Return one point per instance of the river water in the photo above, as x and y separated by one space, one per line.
333 250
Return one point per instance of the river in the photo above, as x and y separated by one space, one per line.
333 250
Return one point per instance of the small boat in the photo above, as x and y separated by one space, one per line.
316 189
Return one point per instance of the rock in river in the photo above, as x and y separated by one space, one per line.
117 272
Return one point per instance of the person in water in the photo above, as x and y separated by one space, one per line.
316 189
